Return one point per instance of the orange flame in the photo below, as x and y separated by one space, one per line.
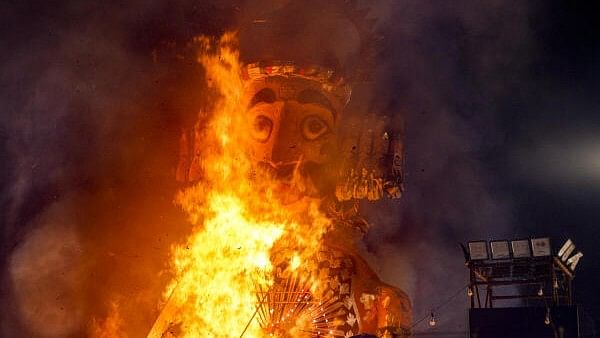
241 223
110 327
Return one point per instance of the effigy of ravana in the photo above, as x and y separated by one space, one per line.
299 79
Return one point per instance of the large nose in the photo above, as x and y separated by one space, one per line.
287 144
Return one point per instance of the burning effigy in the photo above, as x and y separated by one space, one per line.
274 175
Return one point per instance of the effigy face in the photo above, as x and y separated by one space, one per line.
294 120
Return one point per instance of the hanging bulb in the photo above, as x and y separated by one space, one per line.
432 320
555 284
547 319
540 291
469 292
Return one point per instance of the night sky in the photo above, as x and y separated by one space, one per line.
552 128
552 136
502 114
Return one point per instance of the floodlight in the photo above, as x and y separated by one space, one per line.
565 254
574 260
541 247
520 248
500 249
478 250
567 249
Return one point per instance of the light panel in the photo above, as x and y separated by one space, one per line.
540 247
521 248
500 249
478 250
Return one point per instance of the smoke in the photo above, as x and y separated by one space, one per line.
94 94
569 160
46 272
445 68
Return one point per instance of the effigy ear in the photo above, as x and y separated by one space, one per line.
371 159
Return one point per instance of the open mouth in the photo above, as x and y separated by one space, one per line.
286 173
299 178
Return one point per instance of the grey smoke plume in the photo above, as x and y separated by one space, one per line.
91 110
46 274
446 65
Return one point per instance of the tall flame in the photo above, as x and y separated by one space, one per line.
243 228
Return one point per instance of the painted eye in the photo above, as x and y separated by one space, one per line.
262 128
314 127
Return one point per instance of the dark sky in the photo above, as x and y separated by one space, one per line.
557 118
554 123
502 118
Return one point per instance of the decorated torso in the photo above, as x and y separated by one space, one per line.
337 294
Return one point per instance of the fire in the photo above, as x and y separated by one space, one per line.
110 327
243 226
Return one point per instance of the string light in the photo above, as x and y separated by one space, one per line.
555 283
431 316
547 319
540 291
469 292
432 320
